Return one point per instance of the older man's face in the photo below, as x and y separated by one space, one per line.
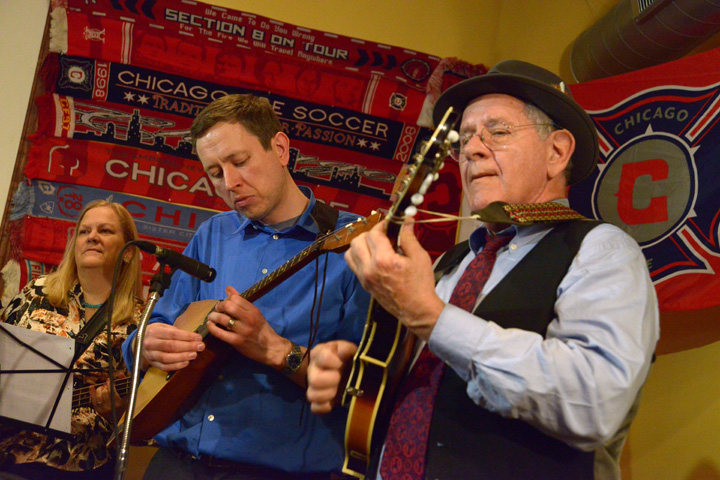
516 173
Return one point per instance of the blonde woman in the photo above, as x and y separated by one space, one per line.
61 303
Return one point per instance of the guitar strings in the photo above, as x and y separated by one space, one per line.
81 396
442 217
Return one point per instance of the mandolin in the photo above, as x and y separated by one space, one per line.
386 347
163 397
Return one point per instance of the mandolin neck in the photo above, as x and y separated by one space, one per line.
281 274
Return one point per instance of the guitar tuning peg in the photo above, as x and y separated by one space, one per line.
426 184
453 136
417 199
411 211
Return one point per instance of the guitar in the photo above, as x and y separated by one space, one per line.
386 347
162 397
81 396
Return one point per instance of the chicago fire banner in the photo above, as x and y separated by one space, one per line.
657 179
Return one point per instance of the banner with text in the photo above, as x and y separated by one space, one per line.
127 79
658 172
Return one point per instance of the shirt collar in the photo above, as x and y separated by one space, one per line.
305 221
478 236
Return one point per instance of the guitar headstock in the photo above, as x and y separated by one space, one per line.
339 240
423 171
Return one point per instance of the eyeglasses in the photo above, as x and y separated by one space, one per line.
495 136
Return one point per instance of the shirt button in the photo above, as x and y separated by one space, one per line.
275 237
211 418
264 270
513 246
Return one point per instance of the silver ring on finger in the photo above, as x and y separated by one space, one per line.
231 323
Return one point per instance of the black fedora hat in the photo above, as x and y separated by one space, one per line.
543 89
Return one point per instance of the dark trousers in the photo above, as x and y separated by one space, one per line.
40 471
173 465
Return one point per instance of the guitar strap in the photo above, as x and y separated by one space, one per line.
90 330
325 217
510 214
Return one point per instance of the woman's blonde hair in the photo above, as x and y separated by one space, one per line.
61 281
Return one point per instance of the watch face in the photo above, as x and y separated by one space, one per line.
293 360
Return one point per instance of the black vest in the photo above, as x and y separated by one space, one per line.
467 441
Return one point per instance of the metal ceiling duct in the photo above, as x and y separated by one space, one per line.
637 34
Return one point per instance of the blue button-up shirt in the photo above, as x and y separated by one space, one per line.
252 413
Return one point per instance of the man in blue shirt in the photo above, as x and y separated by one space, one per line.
538 370
250 420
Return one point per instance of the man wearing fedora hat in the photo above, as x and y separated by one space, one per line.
538 335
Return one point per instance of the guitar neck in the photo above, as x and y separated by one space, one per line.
281 274
337 241
386 347
81 396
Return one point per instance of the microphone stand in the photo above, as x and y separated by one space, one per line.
159 283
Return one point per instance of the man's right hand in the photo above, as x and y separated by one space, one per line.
328 367
169 348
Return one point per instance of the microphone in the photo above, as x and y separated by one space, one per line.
178 260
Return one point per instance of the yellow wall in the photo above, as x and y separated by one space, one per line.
21 29
477 31
674 435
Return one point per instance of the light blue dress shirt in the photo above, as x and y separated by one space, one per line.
252 413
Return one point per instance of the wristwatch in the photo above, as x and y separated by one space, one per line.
293 359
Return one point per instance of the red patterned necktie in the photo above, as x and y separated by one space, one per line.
406 440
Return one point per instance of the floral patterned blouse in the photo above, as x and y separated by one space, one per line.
87 451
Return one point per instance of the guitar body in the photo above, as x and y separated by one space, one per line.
383 357
386 348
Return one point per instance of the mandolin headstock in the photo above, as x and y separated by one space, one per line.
339 240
